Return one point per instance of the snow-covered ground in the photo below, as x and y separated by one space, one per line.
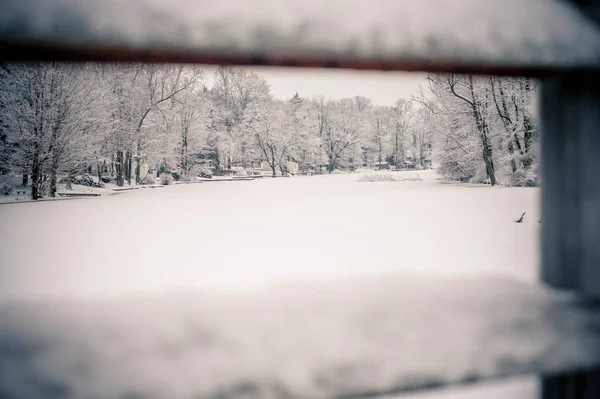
251 233
300 287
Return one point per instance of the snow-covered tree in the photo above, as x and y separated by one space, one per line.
400 121
342 131
482 125
269 122
62 119
234 90
51 107
379 132
304 127
512 102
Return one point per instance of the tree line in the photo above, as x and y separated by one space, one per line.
486 128
58 119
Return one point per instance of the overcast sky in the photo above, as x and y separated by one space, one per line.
383 88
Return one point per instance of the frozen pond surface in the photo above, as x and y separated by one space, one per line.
252 233
349 288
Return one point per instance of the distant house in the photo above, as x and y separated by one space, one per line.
291 167
382 165
265 166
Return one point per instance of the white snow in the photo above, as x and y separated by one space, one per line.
351 287
252 233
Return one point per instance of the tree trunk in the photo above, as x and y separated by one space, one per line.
53 182
483 133
489 162
487 152
396 150
119 168
126 166
25 179
511 151
69 180
129 167
99 171
137 170
529 129
35 177
331 163
182 161
217 159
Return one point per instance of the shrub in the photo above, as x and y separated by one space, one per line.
452 170
5 189
413 176
148 180
480 177
205 173
186 177
88 181
524 178
166 179
376 177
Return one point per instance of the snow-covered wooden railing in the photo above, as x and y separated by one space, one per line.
511 36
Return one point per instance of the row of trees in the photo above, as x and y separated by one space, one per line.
247 123
57 120
60 119
485 127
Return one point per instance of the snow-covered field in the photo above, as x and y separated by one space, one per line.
300 287
252 233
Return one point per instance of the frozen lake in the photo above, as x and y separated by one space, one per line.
253 233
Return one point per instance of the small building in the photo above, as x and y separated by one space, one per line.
265 166
382 165
291 167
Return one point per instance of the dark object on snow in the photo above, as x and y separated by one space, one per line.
107 179
176 176
88 181
520 220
